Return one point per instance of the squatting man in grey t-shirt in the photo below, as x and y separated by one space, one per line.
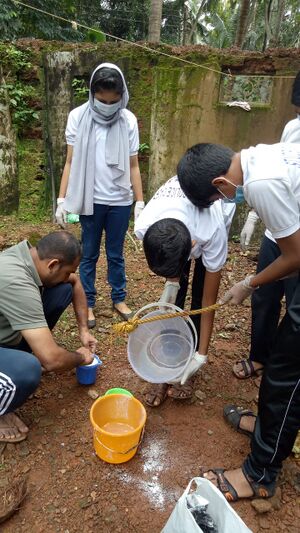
36 286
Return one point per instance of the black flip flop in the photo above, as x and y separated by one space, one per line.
233 415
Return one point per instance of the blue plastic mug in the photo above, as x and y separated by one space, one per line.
86 374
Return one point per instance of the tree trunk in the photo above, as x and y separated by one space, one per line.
275 26
155 21
9 193
184 25
242 23
193 31
268 33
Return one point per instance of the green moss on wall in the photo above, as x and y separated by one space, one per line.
31 180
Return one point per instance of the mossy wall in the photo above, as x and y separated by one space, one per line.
186 111
176 104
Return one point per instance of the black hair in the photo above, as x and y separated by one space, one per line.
198 167
61 245
107 79
296 91
167 246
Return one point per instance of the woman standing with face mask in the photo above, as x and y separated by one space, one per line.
100 178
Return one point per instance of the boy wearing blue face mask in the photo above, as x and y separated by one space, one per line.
270 178
100 179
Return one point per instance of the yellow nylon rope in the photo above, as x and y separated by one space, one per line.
131 325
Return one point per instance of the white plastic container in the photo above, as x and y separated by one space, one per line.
159 351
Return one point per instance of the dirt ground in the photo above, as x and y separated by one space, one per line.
71 490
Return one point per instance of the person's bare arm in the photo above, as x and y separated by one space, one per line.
66 173
287 263
79 302
210 293
81 312
51 356
135 178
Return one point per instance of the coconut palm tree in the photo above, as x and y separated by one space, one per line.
155 21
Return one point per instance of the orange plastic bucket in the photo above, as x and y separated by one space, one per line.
118 423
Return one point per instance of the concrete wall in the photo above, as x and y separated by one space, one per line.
186 111
176 104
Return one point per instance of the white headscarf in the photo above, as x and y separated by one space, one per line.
80 191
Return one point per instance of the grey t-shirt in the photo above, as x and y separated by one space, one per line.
20 298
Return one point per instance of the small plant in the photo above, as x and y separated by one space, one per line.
80 90
144 148
17 95
14 59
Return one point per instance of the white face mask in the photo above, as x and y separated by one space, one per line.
107 110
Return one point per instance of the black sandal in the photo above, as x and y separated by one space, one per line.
259 489
247 368
231 495
233 415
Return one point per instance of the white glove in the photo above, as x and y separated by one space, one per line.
169 293
61 213
248 229
239 292
138 208
195 364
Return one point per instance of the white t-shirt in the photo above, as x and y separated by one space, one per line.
272 185
290 134
208 227
106 191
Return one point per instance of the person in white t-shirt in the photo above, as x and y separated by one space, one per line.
266 301
100 179
268 178
174 232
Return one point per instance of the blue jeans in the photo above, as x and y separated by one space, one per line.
114 220
20 371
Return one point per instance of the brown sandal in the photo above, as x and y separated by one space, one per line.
158 392
181 392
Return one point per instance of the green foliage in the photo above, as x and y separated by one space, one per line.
144 148
14 60
20 21
211 22
10 23
18 95
290 27
95 36
172 17
127 19
80 91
